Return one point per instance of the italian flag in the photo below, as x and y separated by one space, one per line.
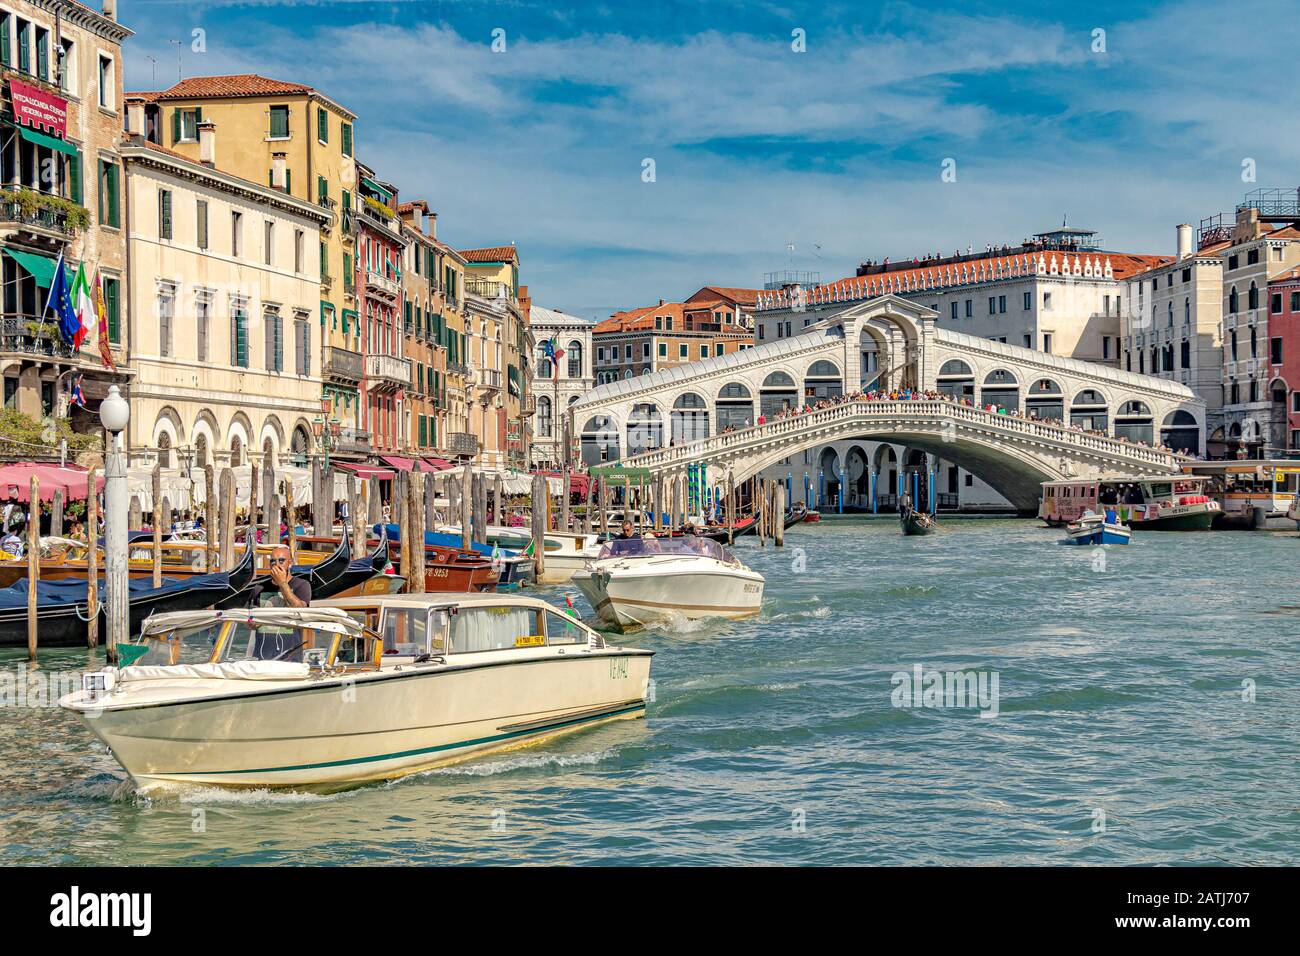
83 304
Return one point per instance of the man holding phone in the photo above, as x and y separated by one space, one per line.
285 588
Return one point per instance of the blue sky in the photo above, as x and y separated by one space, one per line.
838 149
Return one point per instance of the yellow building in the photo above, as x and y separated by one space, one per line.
461 442
263 123
499 344
223 306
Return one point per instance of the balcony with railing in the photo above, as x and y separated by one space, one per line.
384 286
488 288
354 441
28 335
342 364
40 212
388 372
488 378
457 368
462 443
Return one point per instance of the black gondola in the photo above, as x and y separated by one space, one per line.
61 619
913 521
798 511
334 575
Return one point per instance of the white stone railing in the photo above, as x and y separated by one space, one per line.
1060 437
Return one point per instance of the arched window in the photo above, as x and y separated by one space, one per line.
545 420
1181 433
1044 400
1187 310
1252 297
300 446
1089 411
165 450
599 441
574 354
689 419
543 367
955 378
734 407
822 380
1171 315
1001 389
1133 421
777 394
645 428
1232 300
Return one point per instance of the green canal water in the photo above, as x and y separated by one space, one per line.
1147 712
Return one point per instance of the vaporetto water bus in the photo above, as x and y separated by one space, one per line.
1173 503
1252 494
361 689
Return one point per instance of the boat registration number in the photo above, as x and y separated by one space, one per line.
751 588
436 572
530 640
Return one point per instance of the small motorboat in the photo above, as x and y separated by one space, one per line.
634 581
564 549
251 698
1093 528
812 517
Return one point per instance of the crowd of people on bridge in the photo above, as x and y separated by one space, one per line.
922 395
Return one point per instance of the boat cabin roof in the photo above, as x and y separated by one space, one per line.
1121 479
434 599
319 618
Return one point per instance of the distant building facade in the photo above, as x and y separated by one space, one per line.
556 386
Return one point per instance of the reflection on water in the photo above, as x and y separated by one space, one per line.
1124 697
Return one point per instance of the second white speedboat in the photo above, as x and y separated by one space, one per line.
636 581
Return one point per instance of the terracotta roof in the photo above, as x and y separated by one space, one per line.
739 296
146 97
238 84
1212 249
491 254
636 320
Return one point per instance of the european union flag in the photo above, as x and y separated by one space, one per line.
60 300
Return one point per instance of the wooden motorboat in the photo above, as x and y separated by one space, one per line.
250 699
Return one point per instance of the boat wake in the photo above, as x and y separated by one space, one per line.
492 768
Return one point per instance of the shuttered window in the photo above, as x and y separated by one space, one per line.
202 311
274 342
112 310
166 316
108 203
302 345
74 174
322 125
238 334
279 122
5 26
164 214
347 139
201 223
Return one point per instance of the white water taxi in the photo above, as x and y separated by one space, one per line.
355 690
635 581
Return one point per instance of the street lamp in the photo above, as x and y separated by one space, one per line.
114 414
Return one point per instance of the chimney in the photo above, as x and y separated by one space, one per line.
1184 240
208 143
431 224
1248 226
278 163
135 118
110 9
661 301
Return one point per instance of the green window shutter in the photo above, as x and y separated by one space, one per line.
198 117
4 39
347 139
112 310
24 57
322 188
288 181
322 124
74 176
324 259
43 55
176 126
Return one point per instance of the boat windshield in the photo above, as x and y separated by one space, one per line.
253 641
179 646
689 545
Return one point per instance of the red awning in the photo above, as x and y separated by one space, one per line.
438 464
398 462
362 470
15 481
577 483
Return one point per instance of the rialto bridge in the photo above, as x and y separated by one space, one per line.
1055 417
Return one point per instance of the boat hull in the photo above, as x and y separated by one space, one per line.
915 524
297 735
1099 534
633 598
